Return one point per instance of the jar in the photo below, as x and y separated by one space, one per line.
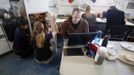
100 55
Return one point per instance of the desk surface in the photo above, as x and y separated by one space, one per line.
129 23
100 20
83 65
60 20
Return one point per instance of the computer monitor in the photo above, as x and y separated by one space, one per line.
80 38
104 14
14 0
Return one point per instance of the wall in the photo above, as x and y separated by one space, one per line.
63 6
4 4
36 6
122 4
100 5
52 6
18 8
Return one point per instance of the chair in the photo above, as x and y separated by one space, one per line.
131 36
60 41
93 28
117 32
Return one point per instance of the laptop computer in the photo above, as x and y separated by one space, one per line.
80 38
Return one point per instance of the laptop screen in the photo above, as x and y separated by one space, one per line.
80 38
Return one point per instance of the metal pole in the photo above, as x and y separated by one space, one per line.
29 22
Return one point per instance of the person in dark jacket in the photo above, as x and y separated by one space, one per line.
21 44
43 53
114 17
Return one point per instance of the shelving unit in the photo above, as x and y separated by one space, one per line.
5 45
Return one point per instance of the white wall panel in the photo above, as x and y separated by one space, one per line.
4 4
36 6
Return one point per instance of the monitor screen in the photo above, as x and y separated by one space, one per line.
80 38
104 14
14 0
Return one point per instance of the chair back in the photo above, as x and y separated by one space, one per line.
93 28
117 32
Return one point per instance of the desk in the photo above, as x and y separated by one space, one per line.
60 20
83 65
103 20
102 28
99 20
129 23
